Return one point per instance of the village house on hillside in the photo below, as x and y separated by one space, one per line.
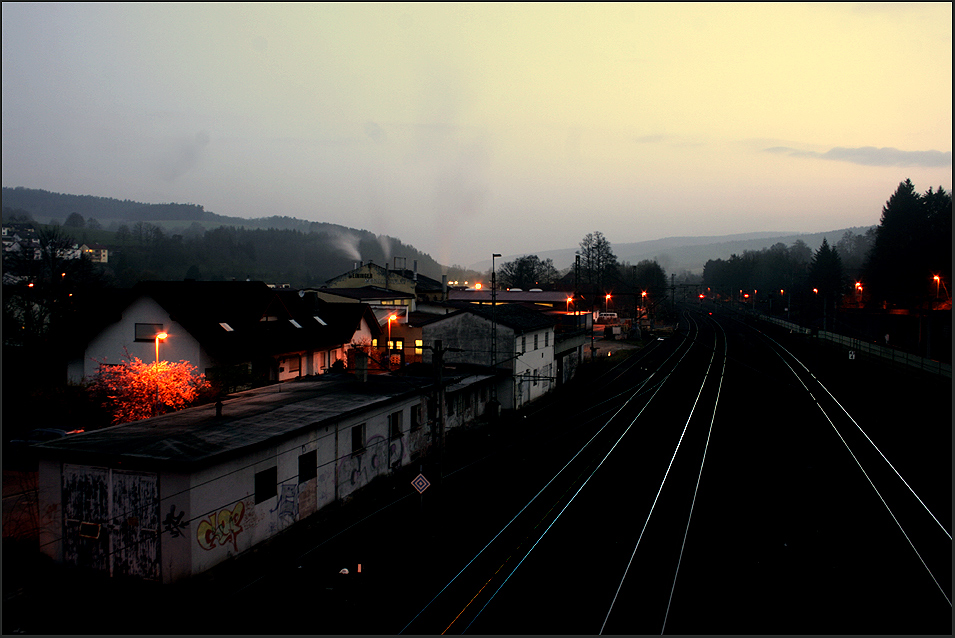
274 335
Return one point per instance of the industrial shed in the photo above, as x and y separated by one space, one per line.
171 496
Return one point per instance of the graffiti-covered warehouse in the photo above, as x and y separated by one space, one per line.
169 497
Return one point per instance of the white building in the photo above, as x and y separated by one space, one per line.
169 497
523 356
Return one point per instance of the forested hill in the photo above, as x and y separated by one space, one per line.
172 241
46 206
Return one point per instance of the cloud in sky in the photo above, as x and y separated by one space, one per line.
872 156
467 129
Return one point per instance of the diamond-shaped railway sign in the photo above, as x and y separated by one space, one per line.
420 483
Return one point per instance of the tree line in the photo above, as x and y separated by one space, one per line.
596 273
891 265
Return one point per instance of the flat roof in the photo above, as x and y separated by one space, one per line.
511 296
263 416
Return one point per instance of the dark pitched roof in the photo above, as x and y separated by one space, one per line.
423 283
367 292
518 318
238 320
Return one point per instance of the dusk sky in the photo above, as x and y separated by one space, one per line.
470 129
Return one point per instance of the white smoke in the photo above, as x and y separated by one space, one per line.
348 244
385 242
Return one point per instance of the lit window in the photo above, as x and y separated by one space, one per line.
295 323
418 346
226 326
319 320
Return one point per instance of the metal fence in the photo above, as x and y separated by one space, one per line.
857 346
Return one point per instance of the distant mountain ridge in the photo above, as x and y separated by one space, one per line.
678 254
674 254
46 205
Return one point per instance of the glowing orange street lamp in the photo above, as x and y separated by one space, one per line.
607 304
159 337
938 280
390 319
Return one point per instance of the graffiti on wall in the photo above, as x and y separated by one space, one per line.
173 523
287 506
221 528
356 470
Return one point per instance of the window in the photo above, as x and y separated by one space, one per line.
415 417
319 320
147 331
418 346
295 365
358 439
535 341
536 375
266 484
394 424
374 342
226 326
307 466
546 339
295 323
523 343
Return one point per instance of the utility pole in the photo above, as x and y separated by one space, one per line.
439 370
438 361
494 331
672 293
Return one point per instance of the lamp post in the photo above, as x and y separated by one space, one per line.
493 327
161 336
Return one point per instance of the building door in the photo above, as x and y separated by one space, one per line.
111 520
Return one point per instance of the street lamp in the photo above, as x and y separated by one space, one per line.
391 318
159 337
